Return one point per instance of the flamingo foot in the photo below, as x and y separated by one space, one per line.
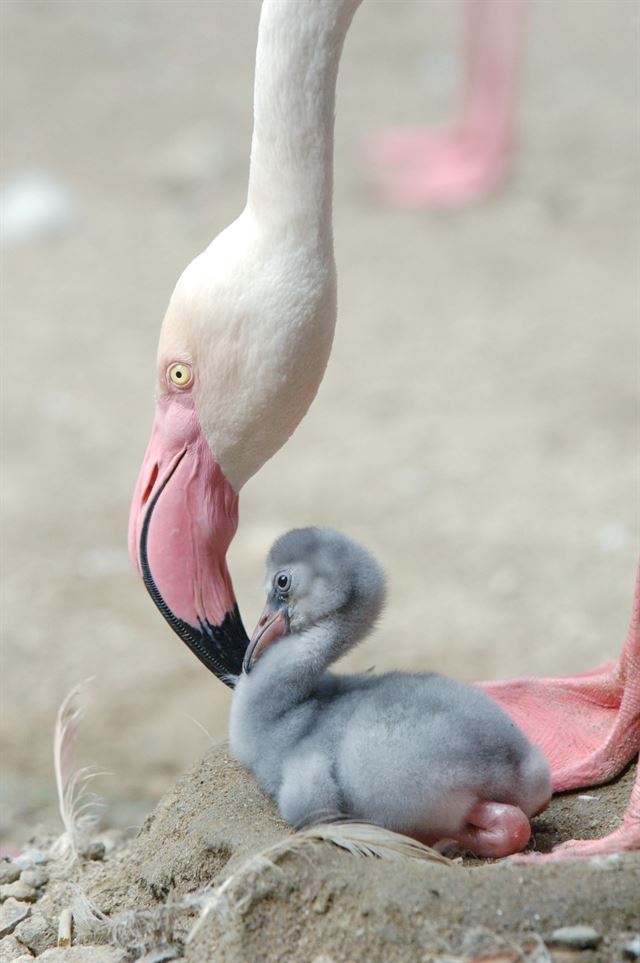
624 839
588 727
418 168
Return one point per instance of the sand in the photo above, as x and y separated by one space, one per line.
320 903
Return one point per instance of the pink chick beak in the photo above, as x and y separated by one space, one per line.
183 516
272 625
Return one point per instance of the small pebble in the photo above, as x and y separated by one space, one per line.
321 903
632 948
19 890
36 877
83 954
602 862
582 937
11 913
10 949
30 857
9 872
36 933
95 851
159 956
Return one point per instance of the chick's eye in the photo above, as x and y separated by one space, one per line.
180 374
283 582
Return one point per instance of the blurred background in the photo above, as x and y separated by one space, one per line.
477 426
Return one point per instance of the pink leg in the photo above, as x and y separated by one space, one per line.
417 167
494 830
588 726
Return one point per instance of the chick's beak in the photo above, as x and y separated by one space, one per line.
272 625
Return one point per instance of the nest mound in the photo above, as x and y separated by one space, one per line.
200 856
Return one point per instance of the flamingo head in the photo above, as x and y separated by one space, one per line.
233 380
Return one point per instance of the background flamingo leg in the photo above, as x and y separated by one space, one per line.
465 161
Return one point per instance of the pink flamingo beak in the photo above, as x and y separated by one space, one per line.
183 516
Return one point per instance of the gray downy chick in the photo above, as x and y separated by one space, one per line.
415 752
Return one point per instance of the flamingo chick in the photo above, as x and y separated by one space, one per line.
415 752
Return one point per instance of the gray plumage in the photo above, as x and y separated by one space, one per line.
409 751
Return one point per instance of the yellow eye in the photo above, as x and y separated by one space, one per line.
180 374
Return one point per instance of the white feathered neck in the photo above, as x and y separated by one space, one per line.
299 48
256 311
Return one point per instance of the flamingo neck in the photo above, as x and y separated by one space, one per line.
291 171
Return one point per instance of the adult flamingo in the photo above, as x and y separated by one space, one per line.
243 348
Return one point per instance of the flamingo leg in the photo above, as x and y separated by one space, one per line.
588 726
466 161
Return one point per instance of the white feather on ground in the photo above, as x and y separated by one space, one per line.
138 931
79 810
357 838
141 931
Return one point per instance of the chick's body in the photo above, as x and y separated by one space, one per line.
410 751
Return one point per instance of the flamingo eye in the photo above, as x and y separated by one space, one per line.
180 374
283 581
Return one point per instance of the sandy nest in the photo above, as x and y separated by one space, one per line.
206 847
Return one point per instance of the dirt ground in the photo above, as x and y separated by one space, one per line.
477 425
311 902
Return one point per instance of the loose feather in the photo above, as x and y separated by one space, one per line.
141 930
79 810
138 931
356 838
367 839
